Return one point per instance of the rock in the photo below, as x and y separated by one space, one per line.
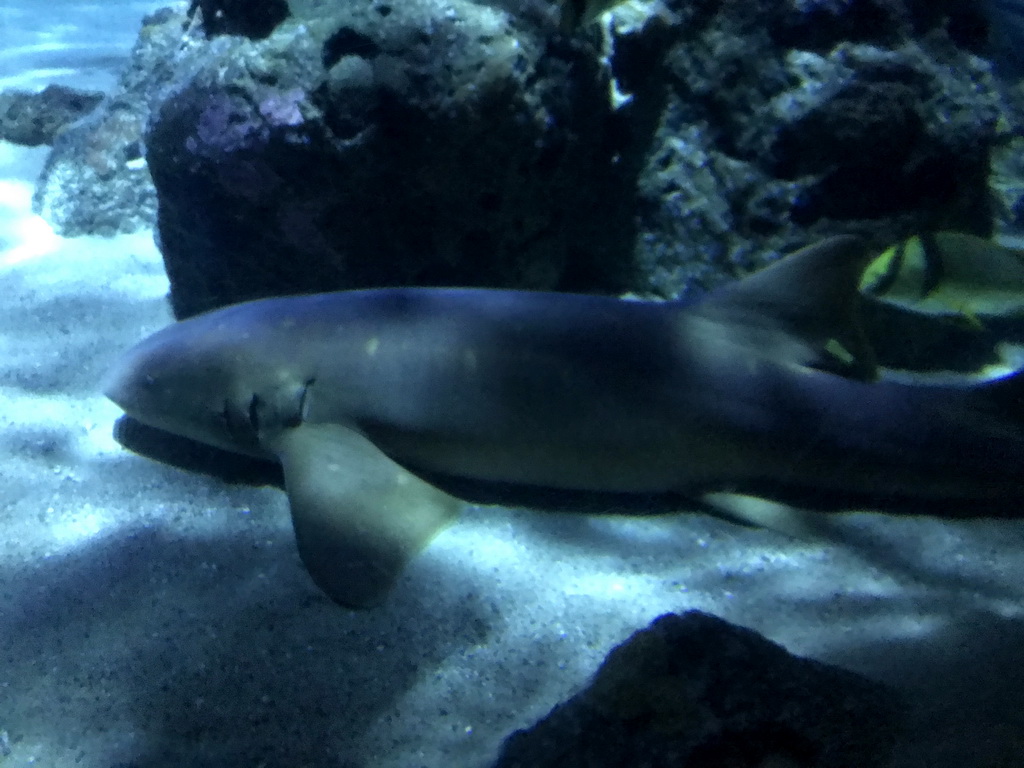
693 691
252 18
323 146
366 144
780 123
95 180
32 119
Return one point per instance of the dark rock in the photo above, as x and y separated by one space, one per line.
693 691
365 144
781 123
32 119
251 18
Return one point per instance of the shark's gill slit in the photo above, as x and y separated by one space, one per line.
254 413
304 402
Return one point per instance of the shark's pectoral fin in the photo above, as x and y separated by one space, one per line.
358 516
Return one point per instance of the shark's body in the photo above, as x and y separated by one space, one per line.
763 389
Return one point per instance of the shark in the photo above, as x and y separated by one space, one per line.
390 408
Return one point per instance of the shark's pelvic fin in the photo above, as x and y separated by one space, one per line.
358 516
757 512
803 309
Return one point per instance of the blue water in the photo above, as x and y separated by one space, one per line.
67 42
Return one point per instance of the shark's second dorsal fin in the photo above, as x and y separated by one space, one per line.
803 309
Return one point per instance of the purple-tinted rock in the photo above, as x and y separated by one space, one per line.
375 144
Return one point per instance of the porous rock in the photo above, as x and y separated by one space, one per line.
95 180
367 144
31 119
780 123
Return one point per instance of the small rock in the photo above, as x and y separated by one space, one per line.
31 119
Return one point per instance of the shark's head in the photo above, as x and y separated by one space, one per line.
193 379
239 379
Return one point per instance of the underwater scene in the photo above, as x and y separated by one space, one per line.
512 383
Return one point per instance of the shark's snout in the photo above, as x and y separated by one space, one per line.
131 381
116 385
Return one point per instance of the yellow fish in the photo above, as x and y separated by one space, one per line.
949 274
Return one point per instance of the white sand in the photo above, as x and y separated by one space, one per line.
152 617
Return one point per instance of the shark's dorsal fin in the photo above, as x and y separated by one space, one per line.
802 310
358 516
